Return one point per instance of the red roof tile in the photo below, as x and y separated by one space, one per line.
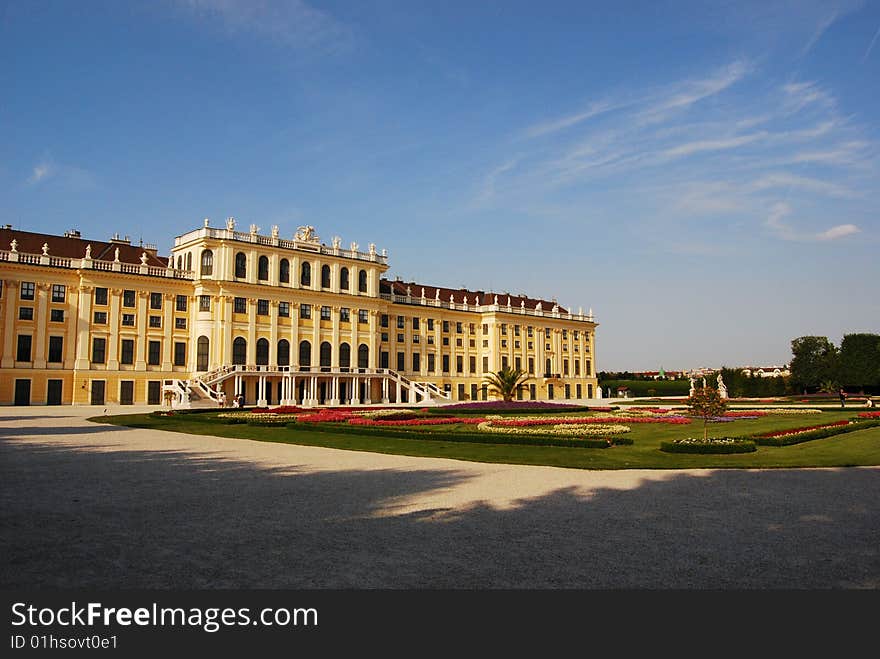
29 242
473 297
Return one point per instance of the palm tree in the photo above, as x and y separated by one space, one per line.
506 381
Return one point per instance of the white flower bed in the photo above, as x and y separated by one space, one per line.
783 410
257 416
565 429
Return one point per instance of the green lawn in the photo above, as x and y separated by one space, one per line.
850 449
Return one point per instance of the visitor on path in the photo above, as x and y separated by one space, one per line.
842 395
869 402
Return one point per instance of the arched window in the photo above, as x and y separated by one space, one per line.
305 353
325 356
344 355
305 275
325 276
363 355
343 279
180 262
240 265
262 352
362 281
189 261
284 352
284 271
263 268
202 352
239 351
207 262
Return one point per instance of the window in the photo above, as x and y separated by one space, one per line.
485 364
305 310
401 361
564 347
58 292
155 300
472 343
262 352
504 362
565 367
154 353
154 392
363 355
325 276
239 351
128 319
458 329
529 331
431 362
305 275
343 279
577 368
415 338
155 321
446 340
204 302
180 303
100 318
202 349
568 391
550 391
126 392
27 290
207 262
472 364
127 298
516 344
284 271
400 338
362 281
325 313
503 329
362 316
485 328
445 325
262 307
565 334
305 353
384 336
383 321
516 330
345 314
99 350
284 309
263 268
127 355
430 324
239 305
401 322
587 370
446 363
531 345
189 261
383 359
531 365
179 353
576 335
458 342
415 323
25 313
473 392
460 392
240 265
56 348
459 364
416 362
180 323
283 352
101 296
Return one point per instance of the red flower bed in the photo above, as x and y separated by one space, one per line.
739 413
525 423
326 416
356 421
794 431
869 415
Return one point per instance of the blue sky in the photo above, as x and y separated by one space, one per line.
703 175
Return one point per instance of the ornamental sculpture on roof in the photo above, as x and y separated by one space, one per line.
306 234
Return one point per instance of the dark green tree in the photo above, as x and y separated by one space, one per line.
859 362
506 381
814 361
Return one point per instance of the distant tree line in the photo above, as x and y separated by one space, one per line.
817 365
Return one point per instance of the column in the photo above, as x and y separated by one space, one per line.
385 390
41 320
70 328
10 293
140 360
374 339
167 322
113 326
261 391
355 386
252 330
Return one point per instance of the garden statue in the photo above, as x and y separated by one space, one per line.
693 387
722 388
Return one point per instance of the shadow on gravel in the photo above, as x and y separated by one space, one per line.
87 517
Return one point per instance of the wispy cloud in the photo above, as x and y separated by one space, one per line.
554 125
776 221
700 146
291 23
487 189
824 23
44 170
776 180
871 45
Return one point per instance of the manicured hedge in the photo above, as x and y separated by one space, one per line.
476 438
739 446
821 433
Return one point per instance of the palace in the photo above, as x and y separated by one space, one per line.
280 321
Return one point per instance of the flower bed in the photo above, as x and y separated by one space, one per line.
326 416
420 421
551 428
780 410
713 445
796 431
523 422
744 414
819 433
869 415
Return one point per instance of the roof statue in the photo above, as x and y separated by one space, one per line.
14 245
306 234
437 296
116 255
88 251
144 258
337 241
230 223
45 249
354 246
275 230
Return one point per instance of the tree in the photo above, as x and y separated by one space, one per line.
706 403
506 381
860 360
814 361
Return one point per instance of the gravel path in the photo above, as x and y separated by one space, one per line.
86 505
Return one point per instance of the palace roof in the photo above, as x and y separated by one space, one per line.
397 287
73 246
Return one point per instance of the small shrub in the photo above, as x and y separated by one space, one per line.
715 445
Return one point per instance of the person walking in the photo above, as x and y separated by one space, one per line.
842 395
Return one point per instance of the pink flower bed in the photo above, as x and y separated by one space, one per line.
795 431
326 416
523 423
413 422
744 413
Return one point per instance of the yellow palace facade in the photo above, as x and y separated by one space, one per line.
279 321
